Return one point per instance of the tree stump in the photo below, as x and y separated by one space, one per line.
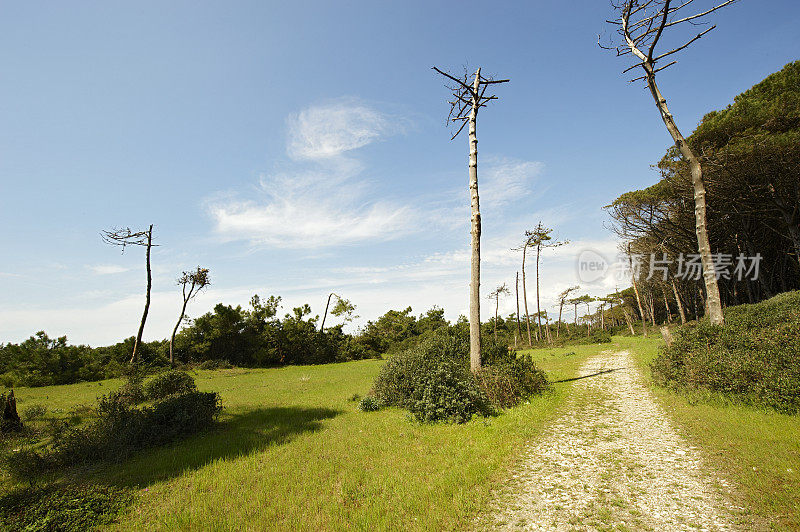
10 421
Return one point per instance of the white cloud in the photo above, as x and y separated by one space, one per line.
329 130
505 180
325 204
107 269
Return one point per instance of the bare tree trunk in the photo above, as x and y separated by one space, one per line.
678 301
519 329
588 321
175 330
666 304
576 316
538 307
651 307
558 325
602 318
709 276
475 274
628 320
496 308
324 317
525 294
147 296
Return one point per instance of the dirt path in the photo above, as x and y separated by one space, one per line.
612 462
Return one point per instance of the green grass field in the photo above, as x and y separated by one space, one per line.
291 451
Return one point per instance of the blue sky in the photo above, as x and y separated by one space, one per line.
299 148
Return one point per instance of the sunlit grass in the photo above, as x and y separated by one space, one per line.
292 452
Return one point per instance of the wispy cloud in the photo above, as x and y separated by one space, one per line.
505 180
332 129
321 201
107 269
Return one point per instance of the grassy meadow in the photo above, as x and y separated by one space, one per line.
292 451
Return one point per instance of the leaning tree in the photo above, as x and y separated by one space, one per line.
191 283
640 28
562 298
126 237
469 95
342 307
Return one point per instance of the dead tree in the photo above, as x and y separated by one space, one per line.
495 294
126 237
562 298
469 95
191 284
640 28
519 329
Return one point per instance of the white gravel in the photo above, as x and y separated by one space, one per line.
613 461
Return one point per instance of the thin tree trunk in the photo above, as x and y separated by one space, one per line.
626 313
147 296
525 294
496 307
666 304
588 321
538 307
576 316
678 301
602 318
714 301
325 316
519 328
180 319
475 274
558 325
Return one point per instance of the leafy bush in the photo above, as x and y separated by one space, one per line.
131 392
754 357
369 404
9 419
215 364
169 383
448 391
67 509
508 381
434 382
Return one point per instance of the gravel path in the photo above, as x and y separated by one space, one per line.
612 462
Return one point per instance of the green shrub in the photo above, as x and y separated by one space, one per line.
434 382
509 381
214 364
131 392
118 431
754 357
169 383
448 392
369 404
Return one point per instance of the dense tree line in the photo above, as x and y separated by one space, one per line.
751 156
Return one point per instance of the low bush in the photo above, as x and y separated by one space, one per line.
754 357
369 404
169 383
214 364
506 382
131 392
434 382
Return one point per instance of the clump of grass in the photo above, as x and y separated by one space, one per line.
62 508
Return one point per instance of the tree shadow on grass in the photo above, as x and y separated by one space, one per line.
237 435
